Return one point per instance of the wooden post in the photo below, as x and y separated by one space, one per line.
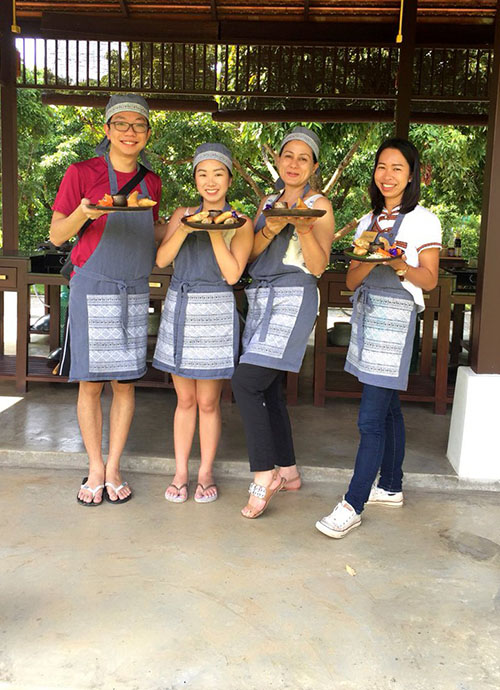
8 103
405 70
485 350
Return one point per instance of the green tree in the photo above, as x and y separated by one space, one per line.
51 138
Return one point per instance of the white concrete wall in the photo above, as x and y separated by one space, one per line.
474 441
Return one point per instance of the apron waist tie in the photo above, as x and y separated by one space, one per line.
180 320
183 287
360 307
266 319
122 286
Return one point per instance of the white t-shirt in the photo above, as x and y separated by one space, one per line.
420 230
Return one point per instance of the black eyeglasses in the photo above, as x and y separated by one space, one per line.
138 127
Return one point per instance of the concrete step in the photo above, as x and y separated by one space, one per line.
238 469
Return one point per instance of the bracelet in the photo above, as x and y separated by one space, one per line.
264 234
402 271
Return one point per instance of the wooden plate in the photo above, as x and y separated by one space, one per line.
238 223
294 212
119 208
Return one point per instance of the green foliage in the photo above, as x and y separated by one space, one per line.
51 138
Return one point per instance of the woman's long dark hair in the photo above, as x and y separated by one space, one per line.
411 194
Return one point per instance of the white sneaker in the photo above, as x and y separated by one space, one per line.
340 522
385 498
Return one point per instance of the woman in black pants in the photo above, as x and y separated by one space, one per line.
288 256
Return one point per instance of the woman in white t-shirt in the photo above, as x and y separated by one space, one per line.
388 295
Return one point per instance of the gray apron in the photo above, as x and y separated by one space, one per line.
282 307
199 329
109 298
383 326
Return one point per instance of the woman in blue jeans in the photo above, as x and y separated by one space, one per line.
387 297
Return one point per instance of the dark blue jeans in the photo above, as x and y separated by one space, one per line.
382 445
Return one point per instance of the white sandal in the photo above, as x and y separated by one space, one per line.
178 498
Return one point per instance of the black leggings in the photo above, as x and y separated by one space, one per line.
259 394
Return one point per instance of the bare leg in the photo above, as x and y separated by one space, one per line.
208 398
89 413
120 419
184 428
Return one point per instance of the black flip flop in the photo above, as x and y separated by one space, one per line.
92 491
116 489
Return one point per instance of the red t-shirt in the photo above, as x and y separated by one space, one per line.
89 179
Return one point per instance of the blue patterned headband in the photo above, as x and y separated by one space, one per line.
303 134
216 152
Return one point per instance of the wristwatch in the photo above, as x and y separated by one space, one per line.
402 271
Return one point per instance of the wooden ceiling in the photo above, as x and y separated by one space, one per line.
456 11
332 22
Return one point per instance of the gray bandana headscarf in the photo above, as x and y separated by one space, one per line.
119 103
129 102
302 134
213 152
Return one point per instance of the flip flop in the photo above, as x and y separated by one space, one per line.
116 489
206 499
177 499
92 491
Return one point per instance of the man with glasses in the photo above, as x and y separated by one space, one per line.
106 335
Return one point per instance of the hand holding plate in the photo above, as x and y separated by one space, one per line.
275 225
302 225
89 211
398 264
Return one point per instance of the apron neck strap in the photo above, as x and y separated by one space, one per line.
390 233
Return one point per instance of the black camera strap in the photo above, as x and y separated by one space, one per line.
67 268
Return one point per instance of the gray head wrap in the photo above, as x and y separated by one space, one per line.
119 103
129 102
303 134
215 152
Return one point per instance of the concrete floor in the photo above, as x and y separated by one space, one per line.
156 596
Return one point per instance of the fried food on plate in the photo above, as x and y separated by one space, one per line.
107 200
146 202
223 217
197 217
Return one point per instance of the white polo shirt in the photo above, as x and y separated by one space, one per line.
420 230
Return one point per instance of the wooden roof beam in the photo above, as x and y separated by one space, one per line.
198 105
72 26
124 8
67 25
349 115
